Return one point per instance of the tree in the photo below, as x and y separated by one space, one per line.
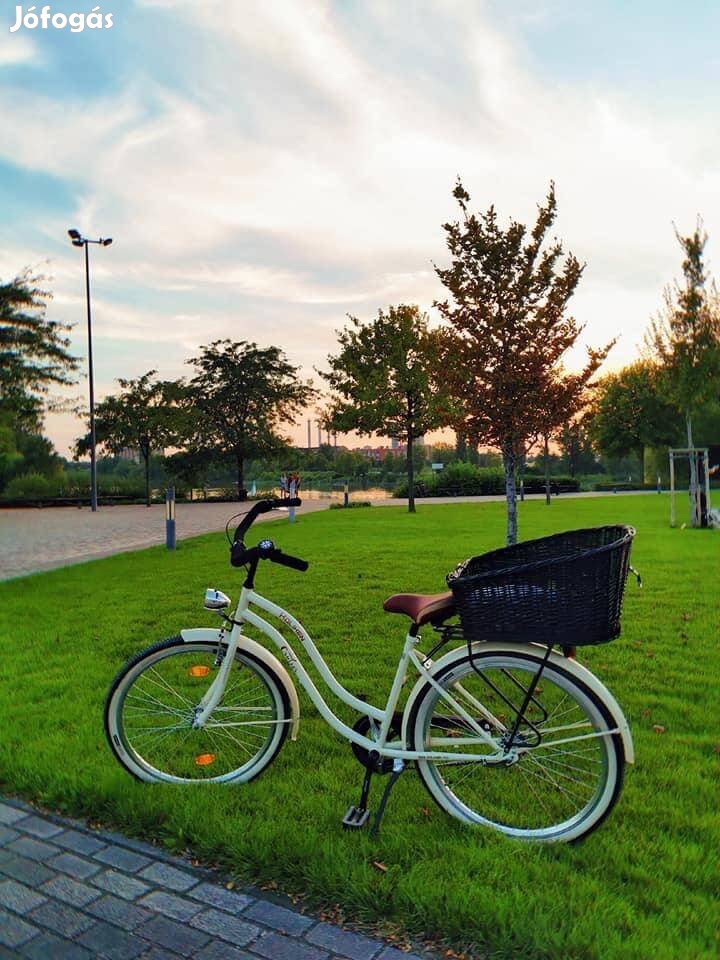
563 397
187 467
509 332
241 395
33 350
577 452
630 411
386 379
685 339
144 415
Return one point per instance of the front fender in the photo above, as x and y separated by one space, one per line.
571 666
208 635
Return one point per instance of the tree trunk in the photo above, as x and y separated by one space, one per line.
694 492
460 446
546 454
146 458
510 494
242 492
410 473
573 455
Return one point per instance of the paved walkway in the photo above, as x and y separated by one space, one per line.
34 539
70 893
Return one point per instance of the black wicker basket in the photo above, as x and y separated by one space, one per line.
566 589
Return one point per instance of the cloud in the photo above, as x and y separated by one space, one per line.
305 168
18 50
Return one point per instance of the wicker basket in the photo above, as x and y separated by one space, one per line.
566 589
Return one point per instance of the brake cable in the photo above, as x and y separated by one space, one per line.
234 517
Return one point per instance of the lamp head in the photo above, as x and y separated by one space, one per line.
106 242
78 243
74 234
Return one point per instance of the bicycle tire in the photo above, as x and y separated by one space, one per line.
500 794
219 735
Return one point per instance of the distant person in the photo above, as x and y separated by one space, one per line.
283 486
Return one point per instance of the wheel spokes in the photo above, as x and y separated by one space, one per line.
169 690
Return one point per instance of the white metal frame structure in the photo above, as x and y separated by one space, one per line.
409 656
684 453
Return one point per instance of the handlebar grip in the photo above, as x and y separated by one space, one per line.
293 502
277 556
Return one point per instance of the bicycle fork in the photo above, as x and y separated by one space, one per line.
213 694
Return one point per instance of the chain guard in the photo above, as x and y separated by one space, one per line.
382 764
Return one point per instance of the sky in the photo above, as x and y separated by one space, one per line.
264 169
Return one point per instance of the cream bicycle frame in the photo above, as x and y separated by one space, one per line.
243 614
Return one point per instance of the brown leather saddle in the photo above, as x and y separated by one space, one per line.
422 608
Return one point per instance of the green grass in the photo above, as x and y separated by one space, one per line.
641 887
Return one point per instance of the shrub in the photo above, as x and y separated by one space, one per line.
536 484
466 480
31 486
351 506
623 485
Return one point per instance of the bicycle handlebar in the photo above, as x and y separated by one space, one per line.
262 506
287 561
240 555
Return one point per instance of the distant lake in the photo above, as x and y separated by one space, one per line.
316 492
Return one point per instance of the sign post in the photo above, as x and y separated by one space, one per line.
346 493
170 518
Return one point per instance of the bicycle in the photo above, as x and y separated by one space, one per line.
513 736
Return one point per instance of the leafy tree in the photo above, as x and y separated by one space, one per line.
187 468
33 350
630 411
685 339
577 452
564 396
241 395
386 380
509 332
144 415
443 453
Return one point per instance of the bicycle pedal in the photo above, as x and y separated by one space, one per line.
355 818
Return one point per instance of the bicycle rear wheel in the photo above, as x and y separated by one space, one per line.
150 708
569 767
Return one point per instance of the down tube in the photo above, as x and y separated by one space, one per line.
304 637
305 679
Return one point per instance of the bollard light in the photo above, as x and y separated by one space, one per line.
170 518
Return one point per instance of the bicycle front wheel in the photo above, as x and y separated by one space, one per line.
150 709
567 772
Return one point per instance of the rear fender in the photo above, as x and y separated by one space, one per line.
207 635
538 652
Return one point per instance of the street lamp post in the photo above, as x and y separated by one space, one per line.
80 241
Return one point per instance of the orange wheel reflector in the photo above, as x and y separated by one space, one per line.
198 671
205 759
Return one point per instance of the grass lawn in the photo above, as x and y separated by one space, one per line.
643 886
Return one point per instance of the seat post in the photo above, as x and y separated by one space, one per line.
400 674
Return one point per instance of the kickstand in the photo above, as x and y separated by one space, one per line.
398 767
357 816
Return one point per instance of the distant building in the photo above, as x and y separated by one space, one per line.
396 449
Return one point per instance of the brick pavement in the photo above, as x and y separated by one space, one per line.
70 893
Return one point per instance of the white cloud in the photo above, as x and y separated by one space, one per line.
308 172
16 50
